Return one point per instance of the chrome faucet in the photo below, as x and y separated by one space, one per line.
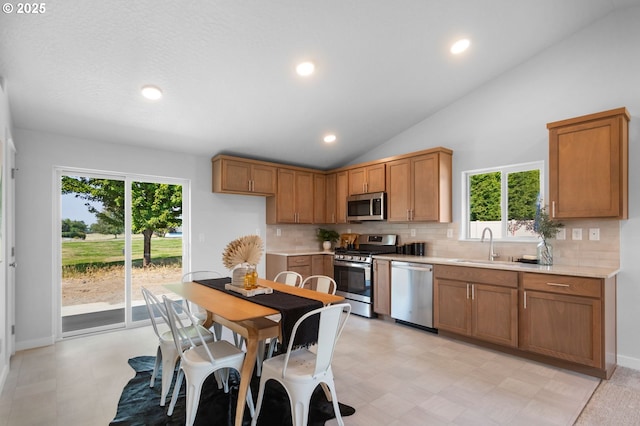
492 255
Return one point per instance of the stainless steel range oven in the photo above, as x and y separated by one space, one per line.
353 271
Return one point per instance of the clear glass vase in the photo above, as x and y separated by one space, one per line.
545 253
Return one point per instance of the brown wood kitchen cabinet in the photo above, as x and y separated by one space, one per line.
243 176
419 188
382 286
319 198
367 179
293 202
476 302
337 189
570 318
588 166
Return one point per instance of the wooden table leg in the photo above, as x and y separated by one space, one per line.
245 376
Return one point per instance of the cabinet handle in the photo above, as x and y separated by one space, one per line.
408 214
473 292
467 290
558 285
525 300
553 209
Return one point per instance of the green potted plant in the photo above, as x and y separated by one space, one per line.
326 237
546 228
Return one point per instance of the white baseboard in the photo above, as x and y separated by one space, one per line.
3 376
629 362
37 343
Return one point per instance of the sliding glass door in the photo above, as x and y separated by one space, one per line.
118 233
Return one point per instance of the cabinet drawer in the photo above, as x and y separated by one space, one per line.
293 261
477 275
562 284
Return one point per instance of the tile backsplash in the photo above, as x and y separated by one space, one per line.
604 252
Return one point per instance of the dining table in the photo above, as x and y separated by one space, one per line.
246 318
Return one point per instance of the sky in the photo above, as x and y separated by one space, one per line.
73 208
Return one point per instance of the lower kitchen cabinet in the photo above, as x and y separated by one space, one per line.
305 265
478 303
382 287
570 318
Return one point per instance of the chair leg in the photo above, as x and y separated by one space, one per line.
217 330
334 399
156 367
176 392
194 388
168 365
254 418
260 357
327 392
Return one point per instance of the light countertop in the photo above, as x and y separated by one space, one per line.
579 271
299 252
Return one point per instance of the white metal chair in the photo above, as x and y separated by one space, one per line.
196 310
289 278
301 370
197 362
321 283
167 353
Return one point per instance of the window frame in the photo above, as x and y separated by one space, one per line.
504 170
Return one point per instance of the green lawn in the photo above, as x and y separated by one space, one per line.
111 251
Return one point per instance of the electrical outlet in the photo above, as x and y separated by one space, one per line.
562 234
594 234
449 233
576 234
348 230
413 232
278 232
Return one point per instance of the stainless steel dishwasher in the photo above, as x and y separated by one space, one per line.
412 293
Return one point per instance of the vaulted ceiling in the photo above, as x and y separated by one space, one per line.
227 68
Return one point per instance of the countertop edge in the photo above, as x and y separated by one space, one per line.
301 252
580 271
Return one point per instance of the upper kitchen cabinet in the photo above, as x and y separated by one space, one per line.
293 202
588 166
363 180
337 188
319 195
419 187
233 175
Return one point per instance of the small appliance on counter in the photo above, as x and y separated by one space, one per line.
415 249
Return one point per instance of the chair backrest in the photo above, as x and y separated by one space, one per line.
200 275
332 321
321 283
289 278
182 331
155 308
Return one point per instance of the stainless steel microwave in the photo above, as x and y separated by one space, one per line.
363 207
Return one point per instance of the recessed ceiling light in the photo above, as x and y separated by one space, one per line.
305 68
330 138
151 92
460 46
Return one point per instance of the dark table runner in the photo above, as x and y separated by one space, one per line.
291 308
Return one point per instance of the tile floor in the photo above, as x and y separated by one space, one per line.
391 375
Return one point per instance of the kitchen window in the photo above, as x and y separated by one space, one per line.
498 197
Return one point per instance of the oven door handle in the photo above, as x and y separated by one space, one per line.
352 264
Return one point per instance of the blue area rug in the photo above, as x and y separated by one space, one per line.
140 405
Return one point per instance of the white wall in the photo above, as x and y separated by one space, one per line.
504 122
215 219
5 135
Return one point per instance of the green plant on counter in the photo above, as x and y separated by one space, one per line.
327 235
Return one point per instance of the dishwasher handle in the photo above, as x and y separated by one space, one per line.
412 266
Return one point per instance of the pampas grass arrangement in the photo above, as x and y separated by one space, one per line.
243 250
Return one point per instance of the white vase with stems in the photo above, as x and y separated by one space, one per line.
545 253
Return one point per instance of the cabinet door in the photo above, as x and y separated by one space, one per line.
342 189
357 181
304 197
319 198
330 198
382 287
236 176
565 327
285 198
328 266
588 168
398 190
376 178
451 307
317 264
425 188
495 314
263 179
